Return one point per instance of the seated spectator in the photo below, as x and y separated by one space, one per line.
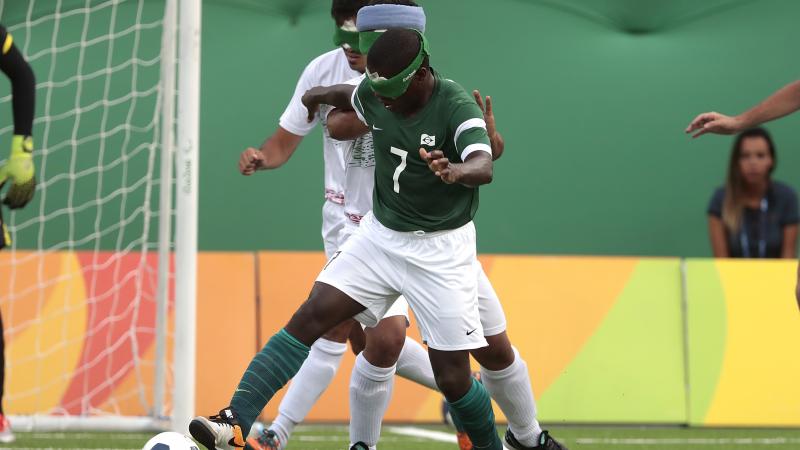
753 216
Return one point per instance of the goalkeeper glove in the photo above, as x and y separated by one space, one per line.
19 170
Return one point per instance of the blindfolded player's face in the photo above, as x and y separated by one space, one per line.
408 101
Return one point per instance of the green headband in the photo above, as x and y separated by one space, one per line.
367 38
346 36
397 85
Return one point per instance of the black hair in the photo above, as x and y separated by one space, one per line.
342 10
394 2
393 51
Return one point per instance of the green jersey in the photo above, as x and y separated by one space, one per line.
407 195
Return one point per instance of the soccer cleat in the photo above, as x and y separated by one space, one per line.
220 432
6 436
359 446
545 442
265 440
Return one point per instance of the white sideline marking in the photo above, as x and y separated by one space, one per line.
81 436
423 433
64 448
688 441
384 439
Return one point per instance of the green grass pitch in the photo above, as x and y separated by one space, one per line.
399 437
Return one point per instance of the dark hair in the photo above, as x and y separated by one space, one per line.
394 2
393 51
733 206
342 10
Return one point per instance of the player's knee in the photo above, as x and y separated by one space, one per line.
453 384
308 323
384 345
498 355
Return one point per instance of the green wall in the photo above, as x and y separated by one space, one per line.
592 97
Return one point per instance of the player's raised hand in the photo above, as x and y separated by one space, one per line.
440 166
495 138
714 122
250 161
488 114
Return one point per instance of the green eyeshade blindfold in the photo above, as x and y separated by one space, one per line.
366 39
397 85
347 39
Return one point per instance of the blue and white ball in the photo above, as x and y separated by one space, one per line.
170 440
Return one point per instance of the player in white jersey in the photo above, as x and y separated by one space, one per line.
333 67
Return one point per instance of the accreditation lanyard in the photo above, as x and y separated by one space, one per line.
762 233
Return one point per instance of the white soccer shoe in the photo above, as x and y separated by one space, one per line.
220 432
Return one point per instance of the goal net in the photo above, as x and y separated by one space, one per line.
86 288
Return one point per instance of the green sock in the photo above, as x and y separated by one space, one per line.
268 372
457 422
474 412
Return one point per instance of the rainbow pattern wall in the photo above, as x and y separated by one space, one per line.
607 340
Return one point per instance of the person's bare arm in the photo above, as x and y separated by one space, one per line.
783 102
345 125
475 171
789 249
716 234
337 96
273 153
496 140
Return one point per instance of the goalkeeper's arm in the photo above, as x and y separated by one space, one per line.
19 167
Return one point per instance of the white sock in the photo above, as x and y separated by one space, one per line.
307 386
370 392
511 389
414 364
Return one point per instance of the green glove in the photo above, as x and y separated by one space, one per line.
19 170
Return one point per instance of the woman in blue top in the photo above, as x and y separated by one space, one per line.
753 216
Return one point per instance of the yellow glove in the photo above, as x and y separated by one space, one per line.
19 170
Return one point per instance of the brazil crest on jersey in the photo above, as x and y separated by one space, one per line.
407 195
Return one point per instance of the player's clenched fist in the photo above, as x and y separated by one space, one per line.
440 165
250 161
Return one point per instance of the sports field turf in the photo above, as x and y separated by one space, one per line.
419 438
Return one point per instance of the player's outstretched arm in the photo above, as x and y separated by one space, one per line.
496 140
345 125
785 101
337 96
274 152
19 167
475 171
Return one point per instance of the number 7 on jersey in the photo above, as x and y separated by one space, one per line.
403 155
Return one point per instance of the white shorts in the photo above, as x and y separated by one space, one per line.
493 319
333 221
436 272
400 306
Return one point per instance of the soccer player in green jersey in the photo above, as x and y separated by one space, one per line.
18 169
420 242
503 371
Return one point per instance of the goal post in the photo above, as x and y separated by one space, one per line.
98 289
186 224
